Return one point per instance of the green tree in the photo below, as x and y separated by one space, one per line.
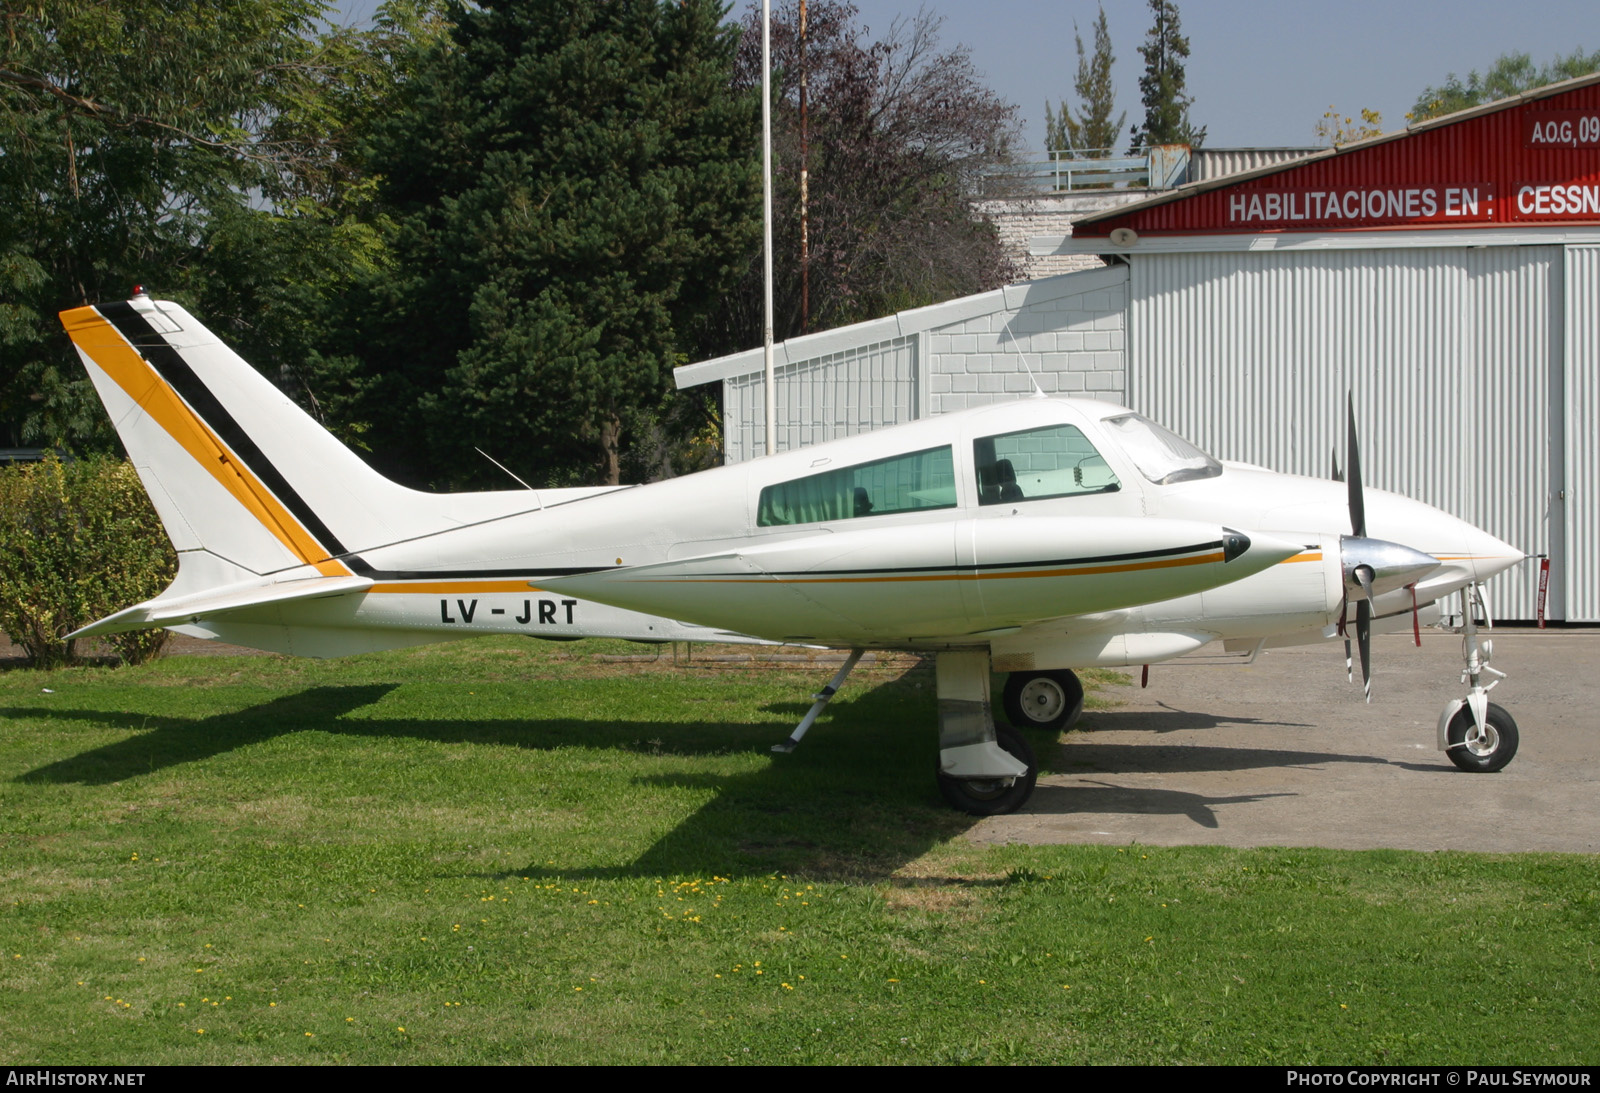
1091 127
124 127
276 272
576 187
1510 74
1161 88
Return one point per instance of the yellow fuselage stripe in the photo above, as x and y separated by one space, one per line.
437 588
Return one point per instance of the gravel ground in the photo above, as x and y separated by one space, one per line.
1283 752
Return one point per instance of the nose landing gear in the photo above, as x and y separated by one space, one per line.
1477 735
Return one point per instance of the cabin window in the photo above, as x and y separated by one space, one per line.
914 482
1057 461
1162 455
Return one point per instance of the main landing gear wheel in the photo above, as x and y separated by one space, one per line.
1485 752
994 796
1043 700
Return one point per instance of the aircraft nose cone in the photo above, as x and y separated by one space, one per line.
1390 565
1488 555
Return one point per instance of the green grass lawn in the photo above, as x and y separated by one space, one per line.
503 851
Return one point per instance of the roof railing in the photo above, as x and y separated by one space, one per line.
1064 170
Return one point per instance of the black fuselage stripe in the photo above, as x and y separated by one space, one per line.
361 567
175 371
1100 559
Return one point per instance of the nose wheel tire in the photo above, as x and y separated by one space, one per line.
1043 700
994 796
1485 752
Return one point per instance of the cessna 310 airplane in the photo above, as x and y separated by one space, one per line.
1030 537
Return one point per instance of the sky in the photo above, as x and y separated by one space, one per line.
1261 73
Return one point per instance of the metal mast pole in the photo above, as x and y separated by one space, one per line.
805 196
766 211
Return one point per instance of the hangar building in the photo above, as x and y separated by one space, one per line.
1447 275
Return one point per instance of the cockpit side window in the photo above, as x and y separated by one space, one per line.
912 482
1055 461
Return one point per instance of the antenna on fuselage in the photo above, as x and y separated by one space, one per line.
1037 390
503 467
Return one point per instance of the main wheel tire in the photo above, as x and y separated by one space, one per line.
1481 753
994 797
1043 700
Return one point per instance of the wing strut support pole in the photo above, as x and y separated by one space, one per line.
823 697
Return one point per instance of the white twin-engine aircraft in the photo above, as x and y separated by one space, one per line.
1030 537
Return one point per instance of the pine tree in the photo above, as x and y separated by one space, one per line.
1092 127
577 188
1161 88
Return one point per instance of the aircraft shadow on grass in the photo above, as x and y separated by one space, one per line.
856 799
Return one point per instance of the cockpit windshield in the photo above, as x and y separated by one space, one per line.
1161 455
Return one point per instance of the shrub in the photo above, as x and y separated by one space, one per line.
78 541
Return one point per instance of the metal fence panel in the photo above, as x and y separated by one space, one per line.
822 398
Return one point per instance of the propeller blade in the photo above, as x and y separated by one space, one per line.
1364 609
1358 505
1338 475
1349 671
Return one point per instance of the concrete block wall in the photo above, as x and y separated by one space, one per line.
1070 345
1018 220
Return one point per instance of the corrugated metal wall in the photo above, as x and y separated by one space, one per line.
842 394
1581 376
1209 163
1449 352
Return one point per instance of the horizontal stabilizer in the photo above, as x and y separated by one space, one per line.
165 611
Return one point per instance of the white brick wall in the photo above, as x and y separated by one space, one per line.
1018 220
1072 344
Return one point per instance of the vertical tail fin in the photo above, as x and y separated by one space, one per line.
192 416
235 469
